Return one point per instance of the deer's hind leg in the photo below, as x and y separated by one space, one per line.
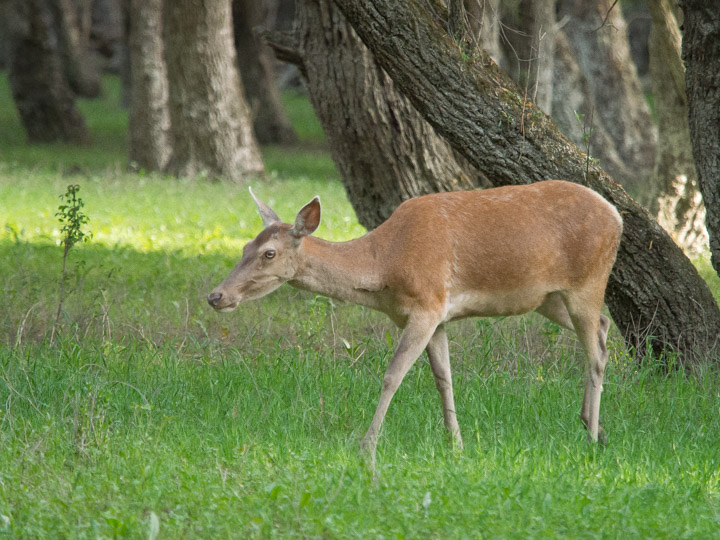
553 308
584 307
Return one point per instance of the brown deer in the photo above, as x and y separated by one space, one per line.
547 247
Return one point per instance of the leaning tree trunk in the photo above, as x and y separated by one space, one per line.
44 100
149 114
603 55
701 52
385 151
655 294
271 123
677 199
211 129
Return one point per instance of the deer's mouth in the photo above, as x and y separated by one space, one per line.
219 302
227 308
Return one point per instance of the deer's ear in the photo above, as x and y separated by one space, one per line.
267 214
308 219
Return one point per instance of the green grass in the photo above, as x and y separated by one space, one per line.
707 272
259 441
151 410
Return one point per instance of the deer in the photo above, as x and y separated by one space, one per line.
547 247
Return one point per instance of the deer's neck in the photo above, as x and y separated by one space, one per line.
346 271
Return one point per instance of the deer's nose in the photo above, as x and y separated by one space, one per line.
214 298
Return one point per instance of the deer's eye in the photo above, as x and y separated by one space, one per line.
269 254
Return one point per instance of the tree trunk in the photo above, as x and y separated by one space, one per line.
603 55
701 52
385 151
211 129
149 114
574 110
41 93
678 201
255 60
484 20
123 54
109 32
537 22
84 17
573 91
80 70
655 294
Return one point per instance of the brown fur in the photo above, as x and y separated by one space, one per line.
547 247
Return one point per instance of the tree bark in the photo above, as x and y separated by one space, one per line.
149 114
677 201
537 22
603 55
84 17
484 20
271 123
701 52
574 110
385 151
211 129
655 294
44 100
109 32
457 20
573 91
80 70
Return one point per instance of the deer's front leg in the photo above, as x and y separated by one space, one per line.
414 339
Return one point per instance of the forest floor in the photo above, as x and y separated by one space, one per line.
150 415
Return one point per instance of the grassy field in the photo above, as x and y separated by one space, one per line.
151 416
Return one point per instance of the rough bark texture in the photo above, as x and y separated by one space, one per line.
149 114
701 52
603 55
457 20
44 100
476 23
211 129
271 123
655 294
385 151
677 201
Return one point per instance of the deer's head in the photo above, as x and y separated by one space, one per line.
269 260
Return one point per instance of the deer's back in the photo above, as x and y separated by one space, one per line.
553 234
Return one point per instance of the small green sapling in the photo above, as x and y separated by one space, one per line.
71 216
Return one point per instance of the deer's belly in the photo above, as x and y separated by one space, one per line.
492 304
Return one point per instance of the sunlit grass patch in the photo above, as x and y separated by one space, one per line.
155 213
709 274
153 412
